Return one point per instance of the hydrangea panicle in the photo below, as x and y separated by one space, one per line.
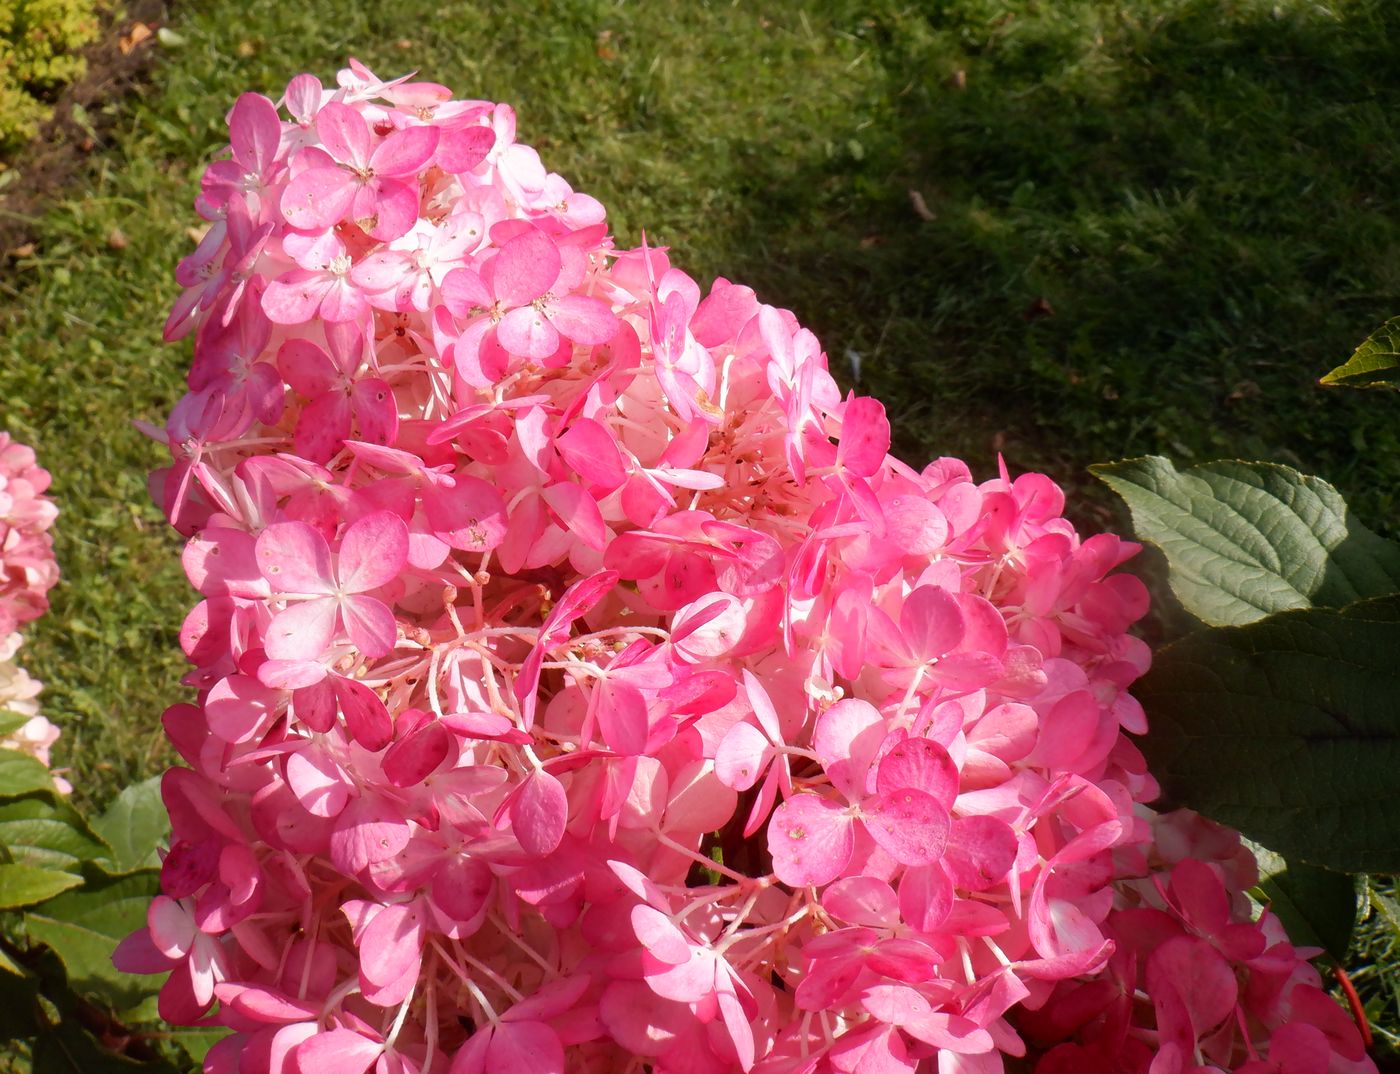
583 686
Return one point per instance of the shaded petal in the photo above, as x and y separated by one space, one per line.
931 622
340 1051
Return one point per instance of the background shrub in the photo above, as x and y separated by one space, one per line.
39 45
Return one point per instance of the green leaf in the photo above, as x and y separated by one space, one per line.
71 1050
22 774
84 928
1316 906
50 834
25 885
1246 539
1375 364
197 1042
134 825
10 722
19 1010
10 966
1287 729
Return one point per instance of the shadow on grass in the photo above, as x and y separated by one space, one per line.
1132 235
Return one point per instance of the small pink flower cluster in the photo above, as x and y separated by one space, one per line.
582 684
27 566
28 571
1196 984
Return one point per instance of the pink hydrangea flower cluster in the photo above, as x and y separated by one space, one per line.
28 569
582 684
1197 982
19 696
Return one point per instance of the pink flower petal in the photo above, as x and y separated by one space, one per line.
811 840
294 558
659 936
254 132
1202 977
366 832
526 1047
411 760
583 319
382 271
592 451
463 290
239 707
320 785
366 717
862 900
372 552
317 199
323 427
370 624
339 1051
911 826
526 332
462 150
344 133
925 897
392 944
579 512
462 888
526 268
389 208
846 738
980 852
622 718
376 411
931 622
468 514
924 765
303 632
539 813
405 151
865 436
742 756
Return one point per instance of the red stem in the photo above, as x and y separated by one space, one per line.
1358 1013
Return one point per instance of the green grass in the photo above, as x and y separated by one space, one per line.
1204 193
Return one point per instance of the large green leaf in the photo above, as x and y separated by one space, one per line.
134 825
1316 906
1246 539
1376 363
25 885
22 774
41 831
1289 730
84 928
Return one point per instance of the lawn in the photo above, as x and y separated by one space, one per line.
1069 231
